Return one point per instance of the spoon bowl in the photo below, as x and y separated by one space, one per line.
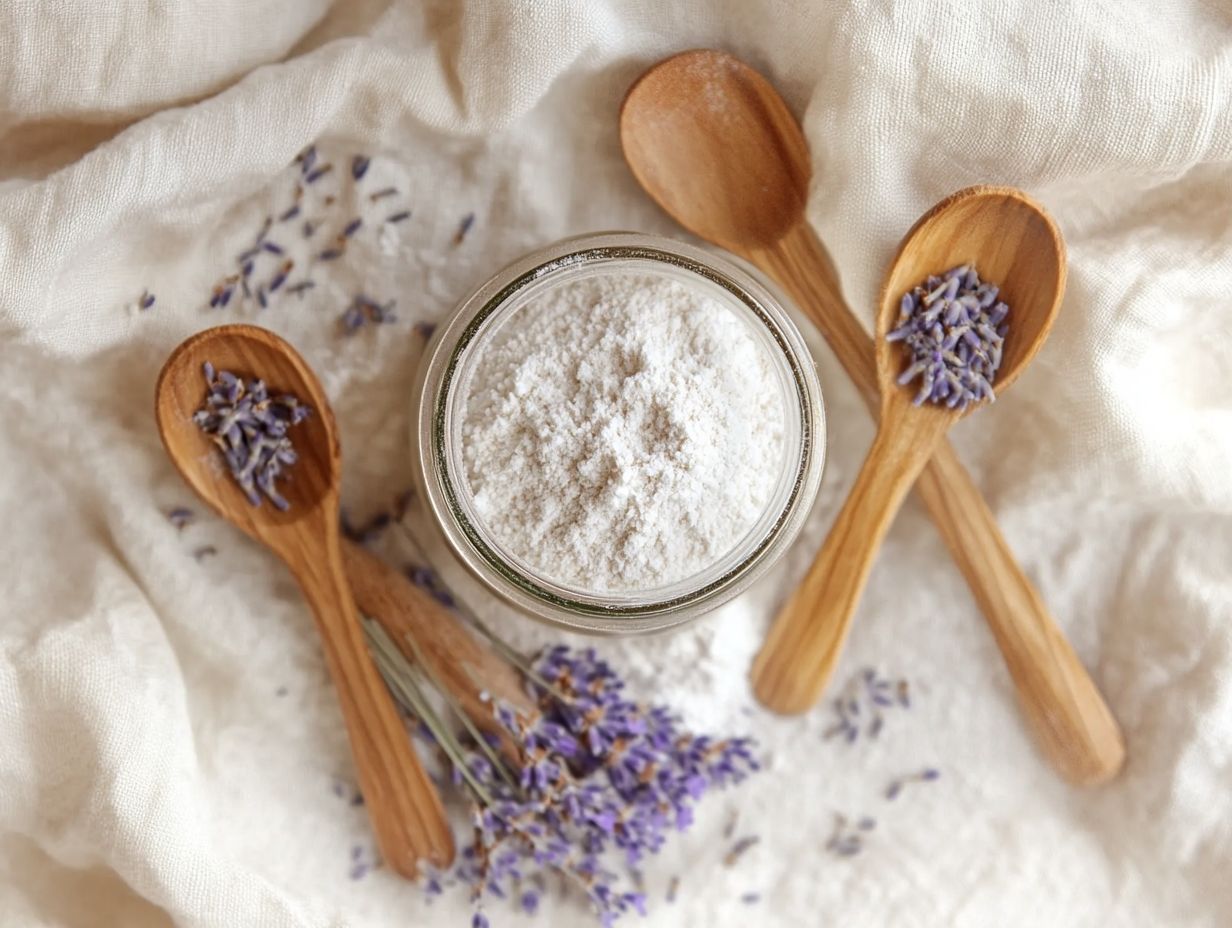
738 137
1011 241
311 486
403 805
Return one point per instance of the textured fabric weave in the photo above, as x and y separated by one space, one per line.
169 743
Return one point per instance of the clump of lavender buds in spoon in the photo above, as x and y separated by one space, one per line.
249 426
953 328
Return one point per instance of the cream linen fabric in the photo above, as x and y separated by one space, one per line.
150 771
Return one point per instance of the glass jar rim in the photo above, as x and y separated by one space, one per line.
622 611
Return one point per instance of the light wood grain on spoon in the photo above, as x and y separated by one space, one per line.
713 143
1014 244
402 803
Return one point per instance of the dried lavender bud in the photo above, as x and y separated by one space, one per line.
272 247
200 554
424 329
146 301
399 217
739 849
289 214
750 898
359 166
352 227
861 704
953 329
313 176
383 193
329 254
464 227
307 158
300 288
250 429
281 277
180 516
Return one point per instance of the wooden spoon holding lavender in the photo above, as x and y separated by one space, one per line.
229 438
1016 245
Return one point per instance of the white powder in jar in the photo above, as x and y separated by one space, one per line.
622 432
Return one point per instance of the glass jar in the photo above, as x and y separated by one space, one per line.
437 413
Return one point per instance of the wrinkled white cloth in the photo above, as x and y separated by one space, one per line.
169 743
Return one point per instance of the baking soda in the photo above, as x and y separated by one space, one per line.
622 432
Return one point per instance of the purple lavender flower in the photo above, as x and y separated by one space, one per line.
400 216
250 428
146 300
953 329
601 784
463 228
359 166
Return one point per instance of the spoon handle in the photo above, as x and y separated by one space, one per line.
471 672
403 804
1073 724
807 636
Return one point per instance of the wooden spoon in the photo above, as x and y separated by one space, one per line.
403 804
1014 244
717 148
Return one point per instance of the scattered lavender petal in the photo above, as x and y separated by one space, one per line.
399 216
180 516
463 228
352 227
272 247
307 158
359 166
313 176
146 301
289 214
329 254
739 849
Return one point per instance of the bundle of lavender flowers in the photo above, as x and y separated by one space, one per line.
594 783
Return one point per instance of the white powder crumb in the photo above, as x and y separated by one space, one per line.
622 432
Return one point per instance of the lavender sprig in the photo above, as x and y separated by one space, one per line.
250 429
601 779
953 329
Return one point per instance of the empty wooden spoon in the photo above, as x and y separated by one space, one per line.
713 143
1015 245
403 804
